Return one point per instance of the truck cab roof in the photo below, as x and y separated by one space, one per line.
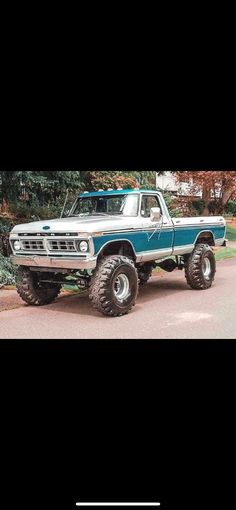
115 192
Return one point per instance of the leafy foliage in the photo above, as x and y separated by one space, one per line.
7 271
231 208
33 195
5 224
115 179
5 227
217 187
172 204
198 207
105 180
231 233
37 188
20 190
225 253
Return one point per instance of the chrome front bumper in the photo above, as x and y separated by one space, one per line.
54 262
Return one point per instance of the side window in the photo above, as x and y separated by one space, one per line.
148 202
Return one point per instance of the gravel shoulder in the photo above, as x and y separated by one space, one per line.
9 300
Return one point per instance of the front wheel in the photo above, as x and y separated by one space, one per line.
114 286
200 268
32 291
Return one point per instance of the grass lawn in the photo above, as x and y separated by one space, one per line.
225 253
228 252
231 233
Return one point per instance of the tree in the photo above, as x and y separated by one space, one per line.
40 187
218 187
119 178
10 187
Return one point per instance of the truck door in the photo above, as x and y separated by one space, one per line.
159 237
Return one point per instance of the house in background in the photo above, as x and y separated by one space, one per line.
167 182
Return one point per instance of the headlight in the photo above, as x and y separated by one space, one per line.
83 246
17 245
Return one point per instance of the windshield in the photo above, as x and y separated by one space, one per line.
123 205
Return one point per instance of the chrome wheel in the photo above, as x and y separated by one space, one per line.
122 287
207 268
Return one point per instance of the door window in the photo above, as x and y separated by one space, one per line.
148 202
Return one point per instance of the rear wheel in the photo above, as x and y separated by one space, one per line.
32 291
114 286
200 267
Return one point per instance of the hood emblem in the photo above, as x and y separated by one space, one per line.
46 228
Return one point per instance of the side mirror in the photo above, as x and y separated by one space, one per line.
155 214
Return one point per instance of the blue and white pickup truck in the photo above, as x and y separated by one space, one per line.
109 243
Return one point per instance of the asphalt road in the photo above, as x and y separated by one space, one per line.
166 309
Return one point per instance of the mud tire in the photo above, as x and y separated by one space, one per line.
103 292
31 291
200 268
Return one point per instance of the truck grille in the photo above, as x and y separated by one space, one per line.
33 245
61 245
49 245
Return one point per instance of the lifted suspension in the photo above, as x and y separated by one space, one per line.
80 280
170 265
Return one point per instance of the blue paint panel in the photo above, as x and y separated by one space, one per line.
187 235
219 232
142 241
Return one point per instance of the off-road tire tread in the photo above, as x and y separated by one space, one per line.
100 280
31 295
193 270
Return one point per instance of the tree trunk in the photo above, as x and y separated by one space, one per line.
206 196
227 195
5 205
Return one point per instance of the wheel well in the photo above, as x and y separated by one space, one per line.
206 238
118 248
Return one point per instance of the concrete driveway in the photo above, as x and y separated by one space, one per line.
166 309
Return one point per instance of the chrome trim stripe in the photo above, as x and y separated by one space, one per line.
138 230
164 252
165 227
182 250
145 256
198 225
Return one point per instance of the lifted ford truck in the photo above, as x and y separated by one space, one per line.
109 244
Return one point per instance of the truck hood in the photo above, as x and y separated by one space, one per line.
78 225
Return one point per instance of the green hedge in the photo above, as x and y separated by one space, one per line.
231 208
198 206
7 271
231 233
5 227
